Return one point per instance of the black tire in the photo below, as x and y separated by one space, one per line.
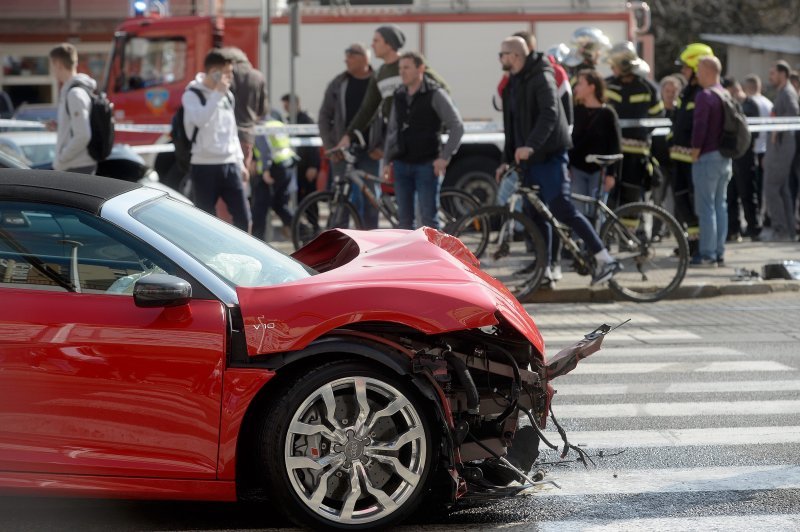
300 429
510 247
319 212
454 205
652 248
475 176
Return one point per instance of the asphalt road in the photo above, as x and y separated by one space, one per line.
691 413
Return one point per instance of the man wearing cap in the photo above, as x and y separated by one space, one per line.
341 102
386 42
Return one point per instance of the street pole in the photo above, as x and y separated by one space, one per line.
294 51
265 55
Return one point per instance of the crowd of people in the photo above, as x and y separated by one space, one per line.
556 107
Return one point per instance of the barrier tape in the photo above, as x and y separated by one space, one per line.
306 135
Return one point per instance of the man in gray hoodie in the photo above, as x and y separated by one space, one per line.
73 131
217 159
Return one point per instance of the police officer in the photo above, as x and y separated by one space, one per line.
274 162
633 97
681 140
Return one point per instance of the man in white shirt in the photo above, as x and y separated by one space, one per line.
73 131
217 159
752 87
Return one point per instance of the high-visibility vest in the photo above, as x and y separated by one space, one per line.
280 143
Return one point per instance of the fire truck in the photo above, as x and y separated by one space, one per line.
154 57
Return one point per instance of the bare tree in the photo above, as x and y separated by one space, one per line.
676 24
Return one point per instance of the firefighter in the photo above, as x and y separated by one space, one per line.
589 48
633 97
681 140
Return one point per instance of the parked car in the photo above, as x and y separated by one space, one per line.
37 150
150 350
37 112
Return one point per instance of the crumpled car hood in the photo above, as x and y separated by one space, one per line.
423 279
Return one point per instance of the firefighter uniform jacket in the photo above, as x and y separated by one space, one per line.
636 99
681 140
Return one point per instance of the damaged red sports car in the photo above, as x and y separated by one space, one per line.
150 350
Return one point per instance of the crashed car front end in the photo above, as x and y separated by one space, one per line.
465 341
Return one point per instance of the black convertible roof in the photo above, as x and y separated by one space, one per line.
85 192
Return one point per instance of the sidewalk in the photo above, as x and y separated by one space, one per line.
750 256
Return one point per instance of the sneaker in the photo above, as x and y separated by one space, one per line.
698 262
555 272
720 262
605 271
734 238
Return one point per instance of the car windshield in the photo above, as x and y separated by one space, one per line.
235 256
39 154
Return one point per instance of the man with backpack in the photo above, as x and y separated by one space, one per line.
711 170
209 124
78 146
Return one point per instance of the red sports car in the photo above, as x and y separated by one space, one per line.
149 350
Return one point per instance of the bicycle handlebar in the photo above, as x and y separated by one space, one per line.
603 160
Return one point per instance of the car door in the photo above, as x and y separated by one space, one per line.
89 382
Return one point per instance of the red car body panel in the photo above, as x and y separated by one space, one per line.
116 487
239 389
388 276
93 385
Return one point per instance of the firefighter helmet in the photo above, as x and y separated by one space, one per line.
624 58
559 52
588 45
690 56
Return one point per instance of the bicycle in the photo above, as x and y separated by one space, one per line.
512 248
324 210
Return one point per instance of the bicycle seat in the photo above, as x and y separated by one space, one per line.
603 160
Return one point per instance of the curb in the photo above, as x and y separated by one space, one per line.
685 291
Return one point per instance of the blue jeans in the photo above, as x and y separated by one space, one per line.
586 184
418 179
213 181
710 175
554 189
368 213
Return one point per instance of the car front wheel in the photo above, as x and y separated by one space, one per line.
347 447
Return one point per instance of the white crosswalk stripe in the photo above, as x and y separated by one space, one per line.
717 408
657 371
567 391
722 523
611 368
608 481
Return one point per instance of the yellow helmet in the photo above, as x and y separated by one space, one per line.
691 55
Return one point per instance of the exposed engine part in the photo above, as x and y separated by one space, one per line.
465 379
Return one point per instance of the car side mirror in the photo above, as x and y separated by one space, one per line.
160 290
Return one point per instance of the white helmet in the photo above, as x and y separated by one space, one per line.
589 45
623 56
559 52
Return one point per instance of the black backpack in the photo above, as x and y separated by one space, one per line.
736 137
182 142
101 122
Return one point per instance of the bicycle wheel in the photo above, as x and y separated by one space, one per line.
319 212
510 247
453 205
652 248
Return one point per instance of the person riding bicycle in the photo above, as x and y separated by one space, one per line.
536 133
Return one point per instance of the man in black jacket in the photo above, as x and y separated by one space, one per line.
537 138
413 141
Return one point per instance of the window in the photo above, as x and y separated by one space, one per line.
150 62
48 247
236 257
